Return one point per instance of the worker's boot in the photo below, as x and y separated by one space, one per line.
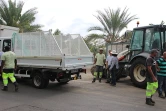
5 88
16 86
94 79
152 100
100 80
148 102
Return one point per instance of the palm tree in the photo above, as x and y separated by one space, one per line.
113 22
11 15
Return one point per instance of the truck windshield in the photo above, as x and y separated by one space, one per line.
6 42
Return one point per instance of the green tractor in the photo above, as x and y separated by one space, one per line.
132 61
143 40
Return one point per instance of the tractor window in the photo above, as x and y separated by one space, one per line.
163 40
156 41
152 40
137 40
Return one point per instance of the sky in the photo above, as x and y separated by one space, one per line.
76 16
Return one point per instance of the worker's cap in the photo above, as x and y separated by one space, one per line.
101 49
154 51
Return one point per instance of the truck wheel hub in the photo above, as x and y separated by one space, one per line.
37 80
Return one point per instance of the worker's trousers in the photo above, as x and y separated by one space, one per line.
5 77
100 70
151 89
162 84
108 74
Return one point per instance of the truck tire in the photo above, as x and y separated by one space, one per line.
38 81
138 72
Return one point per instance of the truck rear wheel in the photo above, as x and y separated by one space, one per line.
138 73
38 81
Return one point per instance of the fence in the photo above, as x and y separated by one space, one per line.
72 45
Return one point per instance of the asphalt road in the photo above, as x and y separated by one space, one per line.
80 95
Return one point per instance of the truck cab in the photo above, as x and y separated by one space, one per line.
5 41
6 33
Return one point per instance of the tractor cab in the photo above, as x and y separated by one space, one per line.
146 38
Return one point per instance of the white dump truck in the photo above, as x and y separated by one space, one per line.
43 57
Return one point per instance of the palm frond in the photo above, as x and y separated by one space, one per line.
104 20
113 21
28 16
31 28
92 37
4 12
11 15
96 28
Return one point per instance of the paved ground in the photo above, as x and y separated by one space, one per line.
80 95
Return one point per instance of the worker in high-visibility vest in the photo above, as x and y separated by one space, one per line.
152 83
8 65
99 62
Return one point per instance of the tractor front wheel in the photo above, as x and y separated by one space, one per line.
138 72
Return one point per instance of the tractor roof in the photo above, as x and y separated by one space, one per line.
151 26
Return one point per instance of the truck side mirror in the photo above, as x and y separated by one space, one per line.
127 46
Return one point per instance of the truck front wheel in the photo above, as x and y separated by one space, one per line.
138 73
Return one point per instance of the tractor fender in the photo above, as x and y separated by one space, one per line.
141 55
